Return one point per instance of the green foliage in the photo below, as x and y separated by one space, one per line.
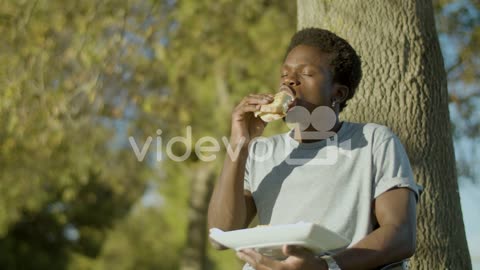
143 241
63 181
215 54
82 77
215 58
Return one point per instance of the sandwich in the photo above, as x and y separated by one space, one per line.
277 109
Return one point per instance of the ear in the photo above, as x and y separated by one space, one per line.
340 93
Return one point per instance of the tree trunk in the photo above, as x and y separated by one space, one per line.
195 252
404 87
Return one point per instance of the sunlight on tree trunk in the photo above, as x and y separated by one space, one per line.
404 87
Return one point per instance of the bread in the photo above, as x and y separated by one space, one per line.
277 109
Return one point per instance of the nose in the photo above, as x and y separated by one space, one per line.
291 80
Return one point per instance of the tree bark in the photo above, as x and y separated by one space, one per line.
195 252
404 87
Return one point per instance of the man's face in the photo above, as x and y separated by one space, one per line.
307 72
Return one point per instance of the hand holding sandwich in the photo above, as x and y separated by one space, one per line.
245 126
250 117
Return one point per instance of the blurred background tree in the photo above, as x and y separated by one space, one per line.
80 77
458 24
216 53
66 174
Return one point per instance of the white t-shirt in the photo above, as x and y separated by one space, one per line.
331 182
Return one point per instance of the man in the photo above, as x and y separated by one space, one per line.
367 194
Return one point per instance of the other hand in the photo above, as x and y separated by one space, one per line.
298 258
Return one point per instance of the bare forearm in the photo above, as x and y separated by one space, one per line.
227 209
385 245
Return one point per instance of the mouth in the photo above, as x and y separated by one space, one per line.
290 92
287 89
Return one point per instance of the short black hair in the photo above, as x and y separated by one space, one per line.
346 64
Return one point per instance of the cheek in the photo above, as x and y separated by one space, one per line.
320 92
325 89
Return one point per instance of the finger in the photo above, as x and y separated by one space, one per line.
269 109
248 108
297 251
261 95
251 261
259 259
242 256
253 100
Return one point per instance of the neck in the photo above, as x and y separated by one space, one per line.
297 133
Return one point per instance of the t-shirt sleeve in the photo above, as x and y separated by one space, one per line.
392 168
